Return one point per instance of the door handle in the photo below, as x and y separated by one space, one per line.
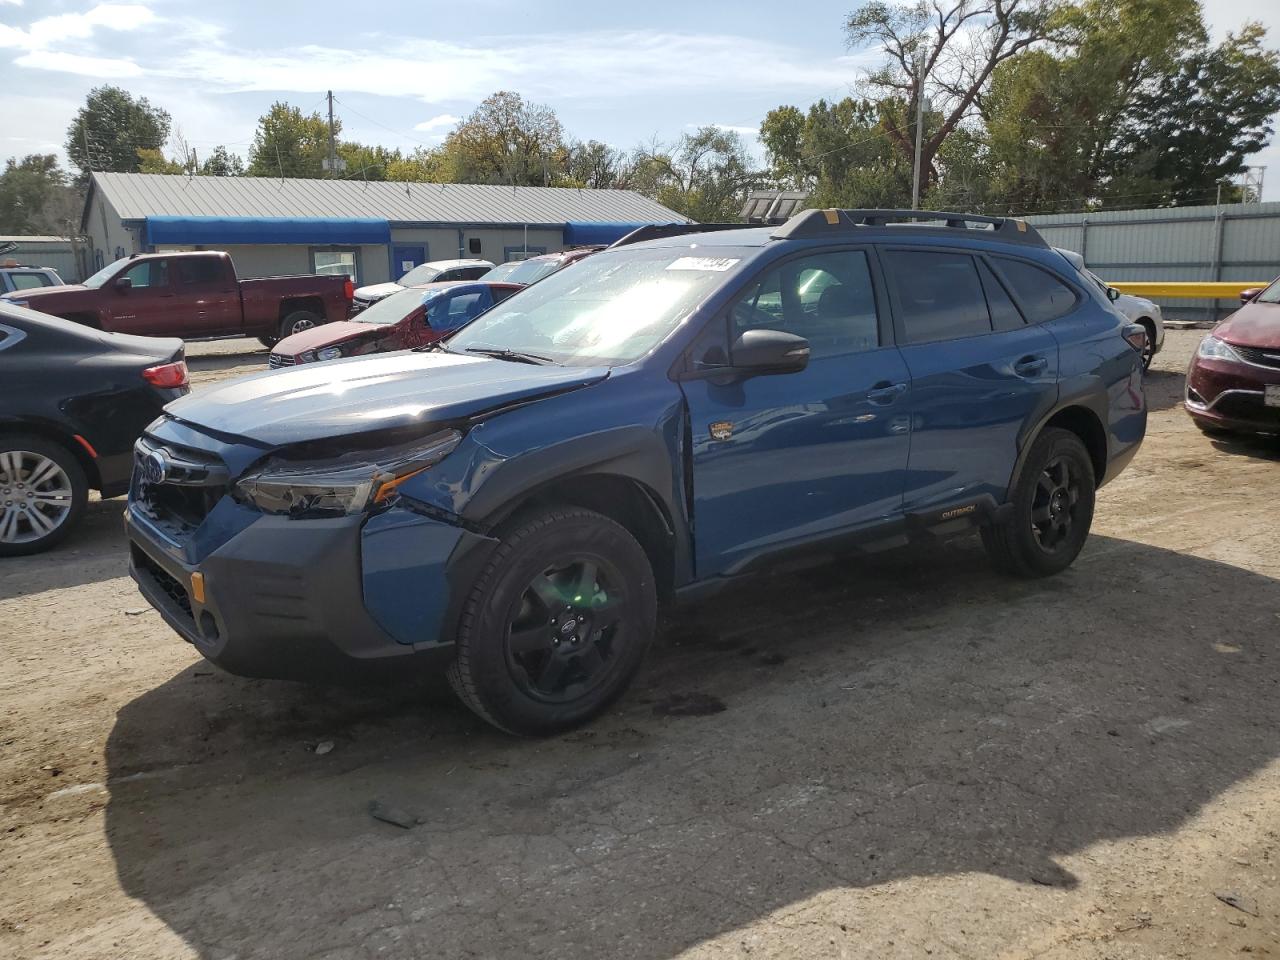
885 392
1031 366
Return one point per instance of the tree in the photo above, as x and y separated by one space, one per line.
950 52
36 197
222 163
428 165
288 144
112 129
596 165
506 140
705 176
367 163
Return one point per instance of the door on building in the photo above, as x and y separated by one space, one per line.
404 259
147 304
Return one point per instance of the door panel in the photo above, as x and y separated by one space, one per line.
149 306
783 459
210 299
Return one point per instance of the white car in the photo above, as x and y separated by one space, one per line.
435 272
1137 309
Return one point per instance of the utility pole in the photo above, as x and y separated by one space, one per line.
333 152
915 180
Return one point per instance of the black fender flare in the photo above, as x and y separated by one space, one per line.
1085 398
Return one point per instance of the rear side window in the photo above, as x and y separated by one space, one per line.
199 270
1004 313
1042 295
939 295
26 281
451 312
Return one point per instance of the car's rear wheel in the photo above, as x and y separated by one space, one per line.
1052 509
556 625
43 491
297 321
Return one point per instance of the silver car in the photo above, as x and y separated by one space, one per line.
1136 309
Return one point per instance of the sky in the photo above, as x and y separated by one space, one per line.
403 73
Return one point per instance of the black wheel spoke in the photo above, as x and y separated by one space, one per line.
530 639
551 676
547 592
586 583
1040 514
590 660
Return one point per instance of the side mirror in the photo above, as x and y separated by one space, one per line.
1113 294
769 351
123 284
1247 295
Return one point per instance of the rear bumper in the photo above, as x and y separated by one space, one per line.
296 600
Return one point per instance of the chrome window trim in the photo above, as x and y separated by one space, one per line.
12 336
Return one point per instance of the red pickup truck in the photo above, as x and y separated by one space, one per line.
196 296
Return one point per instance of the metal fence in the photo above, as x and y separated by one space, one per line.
56 252
1239 241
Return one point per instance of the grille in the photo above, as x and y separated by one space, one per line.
168 585
1243 406
278 360
174 487
1263 358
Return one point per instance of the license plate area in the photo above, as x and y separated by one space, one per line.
1271 396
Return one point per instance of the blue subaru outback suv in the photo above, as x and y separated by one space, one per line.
678 411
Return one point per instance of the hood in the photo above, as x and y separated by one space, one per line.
1253 325
327 334
316 401
45 293
376 291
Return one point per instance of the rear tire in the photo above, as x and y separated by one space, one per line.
43 491
557 623
268 342
1052 502
297 321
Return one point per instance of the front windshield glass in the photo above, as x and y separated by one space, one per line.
394 308
610 309
422 273
106 273
1269 295
523 271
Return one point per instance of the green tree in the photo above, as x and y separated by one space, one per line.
36 197
507 140
596 165
111 131
367 163
222 163
424 165
705 176
289 144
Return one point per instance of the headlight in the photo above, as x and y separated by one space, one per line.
329 353
344 486
306 356
1211 348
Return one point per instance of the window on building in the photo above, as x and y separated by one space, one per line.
148 274
826 298
473 244
1043 296
336 263
939 294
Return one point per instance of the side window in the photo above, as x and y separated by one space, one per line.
500 293
1004 313
448 313
149 273
202 271
939 295
1042 295
26 281
827 298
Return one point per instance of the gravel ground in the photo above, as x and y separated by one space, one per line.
904 756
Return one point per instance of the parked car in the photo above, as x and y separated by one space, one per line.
195 296
512 503
438 271
72 402
20 276
1137 309
1233 385
411 318
533 269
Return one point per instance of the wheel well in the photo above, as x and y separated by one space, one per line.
314 304
53 435
626 502
1084 423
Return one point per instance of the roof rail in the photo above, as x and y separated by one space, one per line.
660 231
811 224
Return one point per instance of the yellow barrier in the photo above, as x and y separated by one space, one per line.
1226 290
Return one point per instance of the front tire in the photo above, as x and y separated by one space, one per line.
43 491
1052 501
556 625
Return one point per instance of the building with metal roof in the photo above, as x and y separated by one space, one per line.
374 231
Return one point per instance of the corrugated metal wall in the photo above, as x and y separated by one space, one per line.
1239 241
43 252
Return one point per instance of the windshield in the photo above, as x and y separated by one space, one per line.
609 309
394 308
1269 295
422 273
522 271
106 273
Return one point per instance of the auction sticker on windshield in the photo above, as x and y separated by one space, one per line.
717 264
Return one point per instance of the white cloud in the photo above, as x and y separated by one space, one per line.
77 64
443 120
12 3
56 30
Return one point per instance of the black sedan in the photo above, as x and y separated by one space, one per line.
72 402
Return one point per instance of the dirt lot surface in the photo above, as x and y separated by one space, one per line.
904 756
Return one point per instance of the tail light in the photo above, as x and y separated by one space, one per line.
349 290
1135 334
167 375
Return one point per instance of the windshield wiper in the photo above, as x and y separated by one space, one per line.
436 345
506 353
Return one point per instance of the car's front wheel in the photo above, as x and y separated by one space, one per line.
43 491
556 625
1052 509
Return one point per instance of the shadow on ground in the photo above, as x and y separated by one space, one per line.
909 715
96 550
